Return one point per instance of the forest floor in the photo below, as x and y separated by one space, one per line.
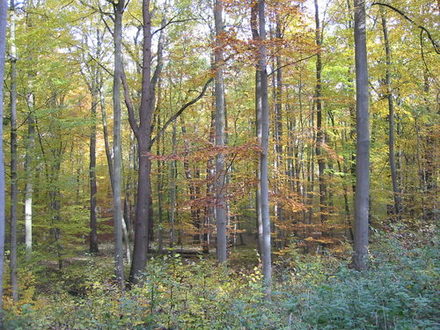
399 291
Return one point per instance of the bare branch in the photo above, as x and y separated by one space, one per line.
433 42
129 104
178 113
171 21
291 63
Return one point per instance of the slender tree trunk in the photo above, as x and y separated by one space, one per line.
53 176
363 140
108 148
430 163
173 188
210 185
14 186
220 202
319 129
130 194
311 170
93 236
3 18
160 176
351 109
117 143
28 161
192 188
255 37
279 112
126 212
28 168
344 185
264 168
391 139
160 149
95 85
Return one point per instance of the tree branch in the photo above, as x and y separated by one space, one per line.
178 113
433 42
129 104
171 21
158 70
291 63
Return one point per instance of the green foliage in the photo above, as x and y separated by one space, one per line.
400 295
399 291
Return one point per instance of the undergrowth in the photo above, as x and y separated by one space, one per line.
399 291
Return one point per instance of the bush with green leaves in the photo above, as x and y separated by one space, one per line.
399 291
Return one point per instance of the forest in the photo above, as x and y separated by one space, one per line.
219 164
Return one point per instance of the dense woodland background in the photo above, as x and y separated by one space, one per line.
192 164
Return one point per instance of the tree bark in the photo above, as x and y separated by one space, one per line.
264 168
14 186
363 139
143 136
255 37
3 18
173 188
220 202
108 148
28 168
391 139
319 129
278 114
93 236
28 162
117 143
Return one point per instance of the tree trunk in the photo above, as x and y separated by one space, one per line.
278 114
192 189
28 168
143 135
117 143
160 150
389 96
210 185
14 186
28 162
363 140
255 37
3 18
173 188
108 148
319 129
264 168
220 202
93 236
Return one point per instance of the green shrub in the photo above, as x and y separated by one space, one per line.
399 291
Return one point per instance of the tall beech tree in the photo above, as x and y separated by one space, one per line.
362 204
142 132
255 38
3 18
14 155
119 8
391 117
320 134
29 153
220 177
264 153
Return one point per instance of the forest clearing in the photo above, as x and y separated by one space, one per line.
221 164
